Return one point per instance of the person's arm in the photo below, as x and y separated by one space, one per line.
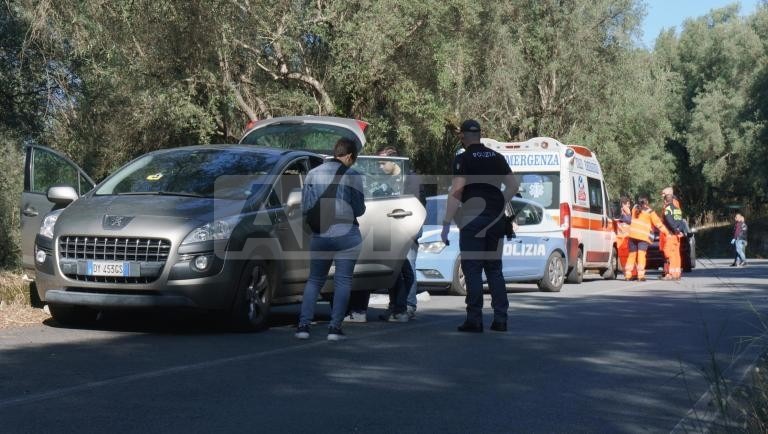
511 186
670 220
656 221
357 197
454 198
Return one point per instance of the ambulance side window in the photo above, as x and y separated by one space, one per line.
596 203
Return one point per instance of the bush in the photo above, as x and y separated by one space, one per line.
11 183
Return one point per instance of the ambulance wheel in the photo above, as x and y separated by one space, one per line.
613 270
554 274
577 272
459 285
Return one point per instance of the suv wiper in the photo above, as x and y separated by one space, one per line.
160 193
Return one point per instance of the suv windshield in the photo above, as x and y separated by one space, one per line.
297 135
186 172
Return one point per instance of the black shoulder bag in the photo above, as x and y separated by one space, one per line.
320 217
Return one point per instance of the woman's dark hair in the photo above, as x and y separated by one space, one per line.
642 203
625 199
345 146
387 151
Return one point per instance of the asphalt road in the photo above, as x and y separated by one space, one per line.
603 356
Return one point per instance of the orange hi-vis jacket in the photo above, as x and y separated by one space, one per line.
643 223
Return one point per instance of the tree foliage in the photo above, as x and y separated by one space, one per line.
107 81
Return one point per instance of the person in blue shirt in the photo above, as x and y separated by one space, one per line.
340 243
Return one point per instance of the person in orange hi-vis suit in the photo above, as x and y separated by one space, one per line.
673 220
663 238
644 219
622 231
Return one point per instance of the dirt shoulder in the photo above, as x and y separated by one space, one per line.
15 309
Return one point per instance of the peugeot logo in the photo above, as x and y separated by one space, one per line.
116 222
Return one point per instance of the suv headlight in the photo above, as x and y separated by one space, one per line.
216 230
49 221
433 247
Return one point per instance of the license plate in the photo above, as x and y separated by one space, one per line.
108 268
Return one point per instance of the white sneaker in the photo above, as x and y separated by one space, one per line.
395 317
378 299
353 316
423 296
335 334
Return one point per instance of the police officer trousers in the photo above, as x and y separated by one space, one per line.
481 249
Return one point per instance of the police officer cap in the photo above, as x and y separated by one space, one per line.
470 126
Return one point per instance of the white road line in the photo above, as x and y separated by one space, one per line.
64 391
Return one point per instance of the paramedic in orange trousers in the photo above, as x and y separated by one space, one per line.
662 237
673 220
644 219
622 234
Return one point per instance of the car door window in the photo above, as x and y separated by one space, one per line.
50 169
526 214
595 195
291 179
382 176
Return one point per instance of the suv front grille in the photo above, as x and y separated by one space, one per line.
147 256
114 249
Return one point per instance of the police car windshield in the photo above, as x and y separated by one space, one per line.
541 187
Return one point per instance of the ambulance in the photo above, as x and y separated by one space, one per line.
567 181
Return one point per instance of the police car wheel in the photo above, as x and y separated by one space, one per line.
459 284
554 274
613 270
577 272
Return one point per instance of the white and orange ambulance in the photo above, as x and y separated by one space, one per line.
568 182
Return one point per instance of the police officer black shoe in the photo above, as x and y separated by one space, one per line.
499 326
469 327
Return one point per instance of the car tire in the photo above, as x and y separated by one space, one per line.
554 274
689 260
459 284
577 272
253 300
75 316
613 270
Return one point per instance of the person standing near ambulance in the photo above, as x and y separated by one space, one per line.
622 235
476 195
644 219
673 219
663 238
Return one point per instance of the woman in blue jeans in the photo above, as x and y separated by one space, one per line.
340 242
739 241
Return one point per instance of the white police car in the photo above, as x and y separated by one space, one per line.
535 254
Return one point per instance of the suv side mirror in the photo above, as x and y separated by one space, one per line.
61 195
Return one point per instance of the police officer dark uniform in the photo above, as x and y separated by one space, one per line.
476 203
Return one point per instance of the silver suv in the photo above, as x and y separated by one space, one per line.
214 227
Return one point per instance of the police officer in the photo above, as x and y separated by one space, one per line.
476 203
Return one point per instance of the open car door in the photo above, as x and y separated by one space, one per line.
391 223
44 168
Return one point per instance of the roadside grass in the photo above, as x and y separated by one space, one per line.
736 407
15 309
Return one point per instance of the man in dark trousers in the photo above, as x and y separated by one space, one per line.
476 202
